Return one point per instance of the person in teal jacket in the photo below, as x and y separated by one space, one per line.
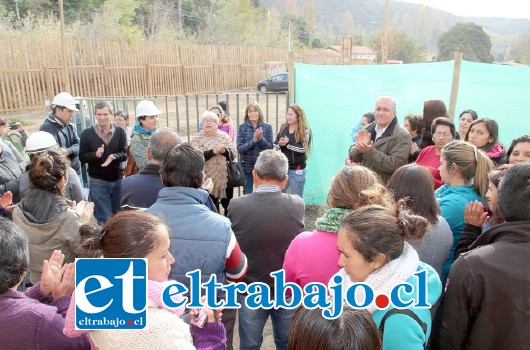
373 251
464 169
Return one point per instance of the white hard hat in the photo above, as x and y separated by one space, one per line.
64 99
146 108
40 141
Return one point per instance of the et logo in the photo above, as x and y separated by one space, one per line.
110 294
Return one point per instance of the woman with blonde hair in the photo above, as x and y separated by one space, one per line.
294 140
253 136
217 148
464 169
312 256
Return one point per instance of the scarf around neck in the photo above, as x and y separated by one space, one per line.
383 280
331 220
52 118
139 129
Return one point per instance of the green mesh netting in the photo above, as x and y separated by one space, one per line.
335 98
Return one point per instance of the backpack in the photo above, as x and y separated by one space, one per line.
131 168
407 312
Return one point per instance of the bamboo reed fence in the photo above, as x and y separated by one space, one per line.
31 70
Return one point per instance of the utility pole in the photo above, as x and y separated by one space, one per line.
18 13
66 81
289 38
385 36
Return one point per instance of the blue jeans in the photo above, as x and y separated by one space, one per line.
249 184
296 182
252 322
106 198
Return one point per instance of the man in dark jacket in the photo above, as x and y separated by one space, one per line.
58 124
486 303
104 147
265 222
384 145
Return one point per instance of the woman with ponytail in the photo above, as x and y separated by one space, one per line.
312 256
414 184
374 250
50 221
132 234
464 169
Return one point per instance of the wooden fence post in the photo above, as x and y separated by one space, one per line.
216 84
149 78
49 88
454 85
242 77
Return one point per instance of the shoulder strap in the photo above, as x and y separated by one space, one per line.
407 312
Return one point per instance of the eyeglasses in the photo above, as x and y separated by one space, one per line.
442 134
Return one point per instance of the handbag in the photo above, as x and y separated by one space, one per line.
131 168
236 175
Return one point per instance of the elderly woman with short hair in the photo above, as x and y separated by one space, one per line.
33 319
217 148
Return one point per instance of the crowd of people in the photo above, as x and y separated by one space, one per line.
427 205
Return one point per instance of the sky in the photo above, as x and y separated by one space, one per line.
480 8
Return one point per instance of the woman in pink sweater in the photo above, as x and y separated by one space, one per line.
313 256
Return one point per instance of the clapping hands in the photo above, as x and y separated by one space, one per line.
258 134
6 201
100 151
283 141
84 210
364 142
220 148
57 279
474 214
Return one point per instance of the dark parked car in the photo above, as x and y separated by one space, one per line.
278 82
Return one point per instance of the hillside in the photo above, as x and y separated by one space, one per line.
424 24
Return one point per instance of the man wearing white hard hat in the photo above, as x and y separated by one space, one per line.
59 125
146 124
42 143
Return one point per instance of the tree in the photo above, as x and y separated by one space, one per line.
299 29
400 47
521 49
468 38
73 9
347 24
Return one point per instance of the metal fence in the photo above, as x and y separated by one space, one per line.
183 112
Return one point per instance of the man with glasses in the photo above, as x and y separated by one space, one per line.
58 124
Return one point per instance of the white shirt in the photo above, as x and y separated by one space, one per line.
379 132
